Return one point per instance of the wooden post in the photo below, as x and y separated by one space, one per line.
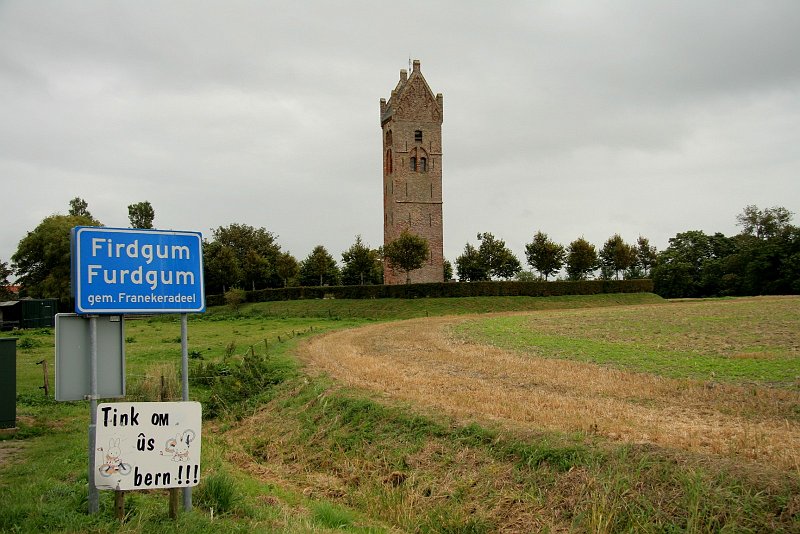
119 504
174 502
46 386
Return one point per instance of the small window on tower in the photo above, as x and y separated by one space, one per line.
418 136
423 164
413 164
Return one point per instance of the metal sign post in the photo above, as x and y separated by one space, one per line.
121 271
94 497
187 491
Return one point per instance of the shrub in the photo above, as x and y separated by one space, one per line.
235 298
449 289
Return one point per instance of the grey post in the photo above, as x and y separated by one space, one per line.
187 492
94 497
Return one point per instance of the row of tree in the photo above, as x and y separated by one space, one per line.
246 257
763 258
493 260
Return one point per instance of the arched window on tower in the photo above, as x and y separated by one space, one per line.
419 160
388 138
387 162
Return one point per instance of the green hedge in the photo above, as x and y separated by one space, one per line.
447 289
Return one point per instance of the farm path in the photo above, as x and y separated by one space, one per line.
421 362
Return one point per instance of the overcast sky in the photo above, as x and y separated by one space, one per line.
574 118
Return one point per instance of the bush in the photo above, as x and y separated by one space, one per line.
235 298
448 289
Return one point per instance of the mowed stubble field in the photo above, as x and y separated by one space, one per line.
717 377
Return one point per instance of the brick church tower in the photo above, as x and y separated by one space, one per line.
411 121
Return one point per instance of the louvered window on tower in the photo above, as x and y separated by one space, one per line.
418 136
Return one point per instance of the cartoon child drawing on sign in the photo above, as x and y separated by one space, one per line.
178 446
114 463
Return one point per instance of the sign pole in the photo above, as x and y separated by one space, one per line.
187 492
94 496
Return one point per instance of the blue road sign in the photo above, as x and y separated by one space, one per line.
120 270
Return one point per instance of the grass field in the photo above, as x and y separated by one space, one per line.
300 448
728 340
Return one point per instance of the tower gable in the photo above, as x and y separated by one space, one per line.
412 100
416 102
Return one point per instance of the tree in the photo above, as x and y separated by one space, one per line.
42 259
221 268
361 265
693 265
581 259
500 262
616 256
765 223
470 267
526 276
5 272
141 215
319 268
491 259
545 255
447 269
242 256
407 253
286 267
79 208
646 256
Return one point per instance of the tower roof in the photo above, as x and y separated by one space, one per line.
412 98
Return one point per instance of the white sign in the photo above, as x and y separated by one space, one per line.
147 445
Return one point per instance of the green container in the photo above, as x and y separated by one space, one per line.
8 382
39 313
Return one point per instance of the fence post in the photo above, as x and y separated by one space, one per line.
46 386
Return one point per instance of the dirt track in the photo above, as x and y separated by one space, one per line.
420 362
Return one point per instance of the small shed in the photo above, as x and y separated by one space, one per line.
28 313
